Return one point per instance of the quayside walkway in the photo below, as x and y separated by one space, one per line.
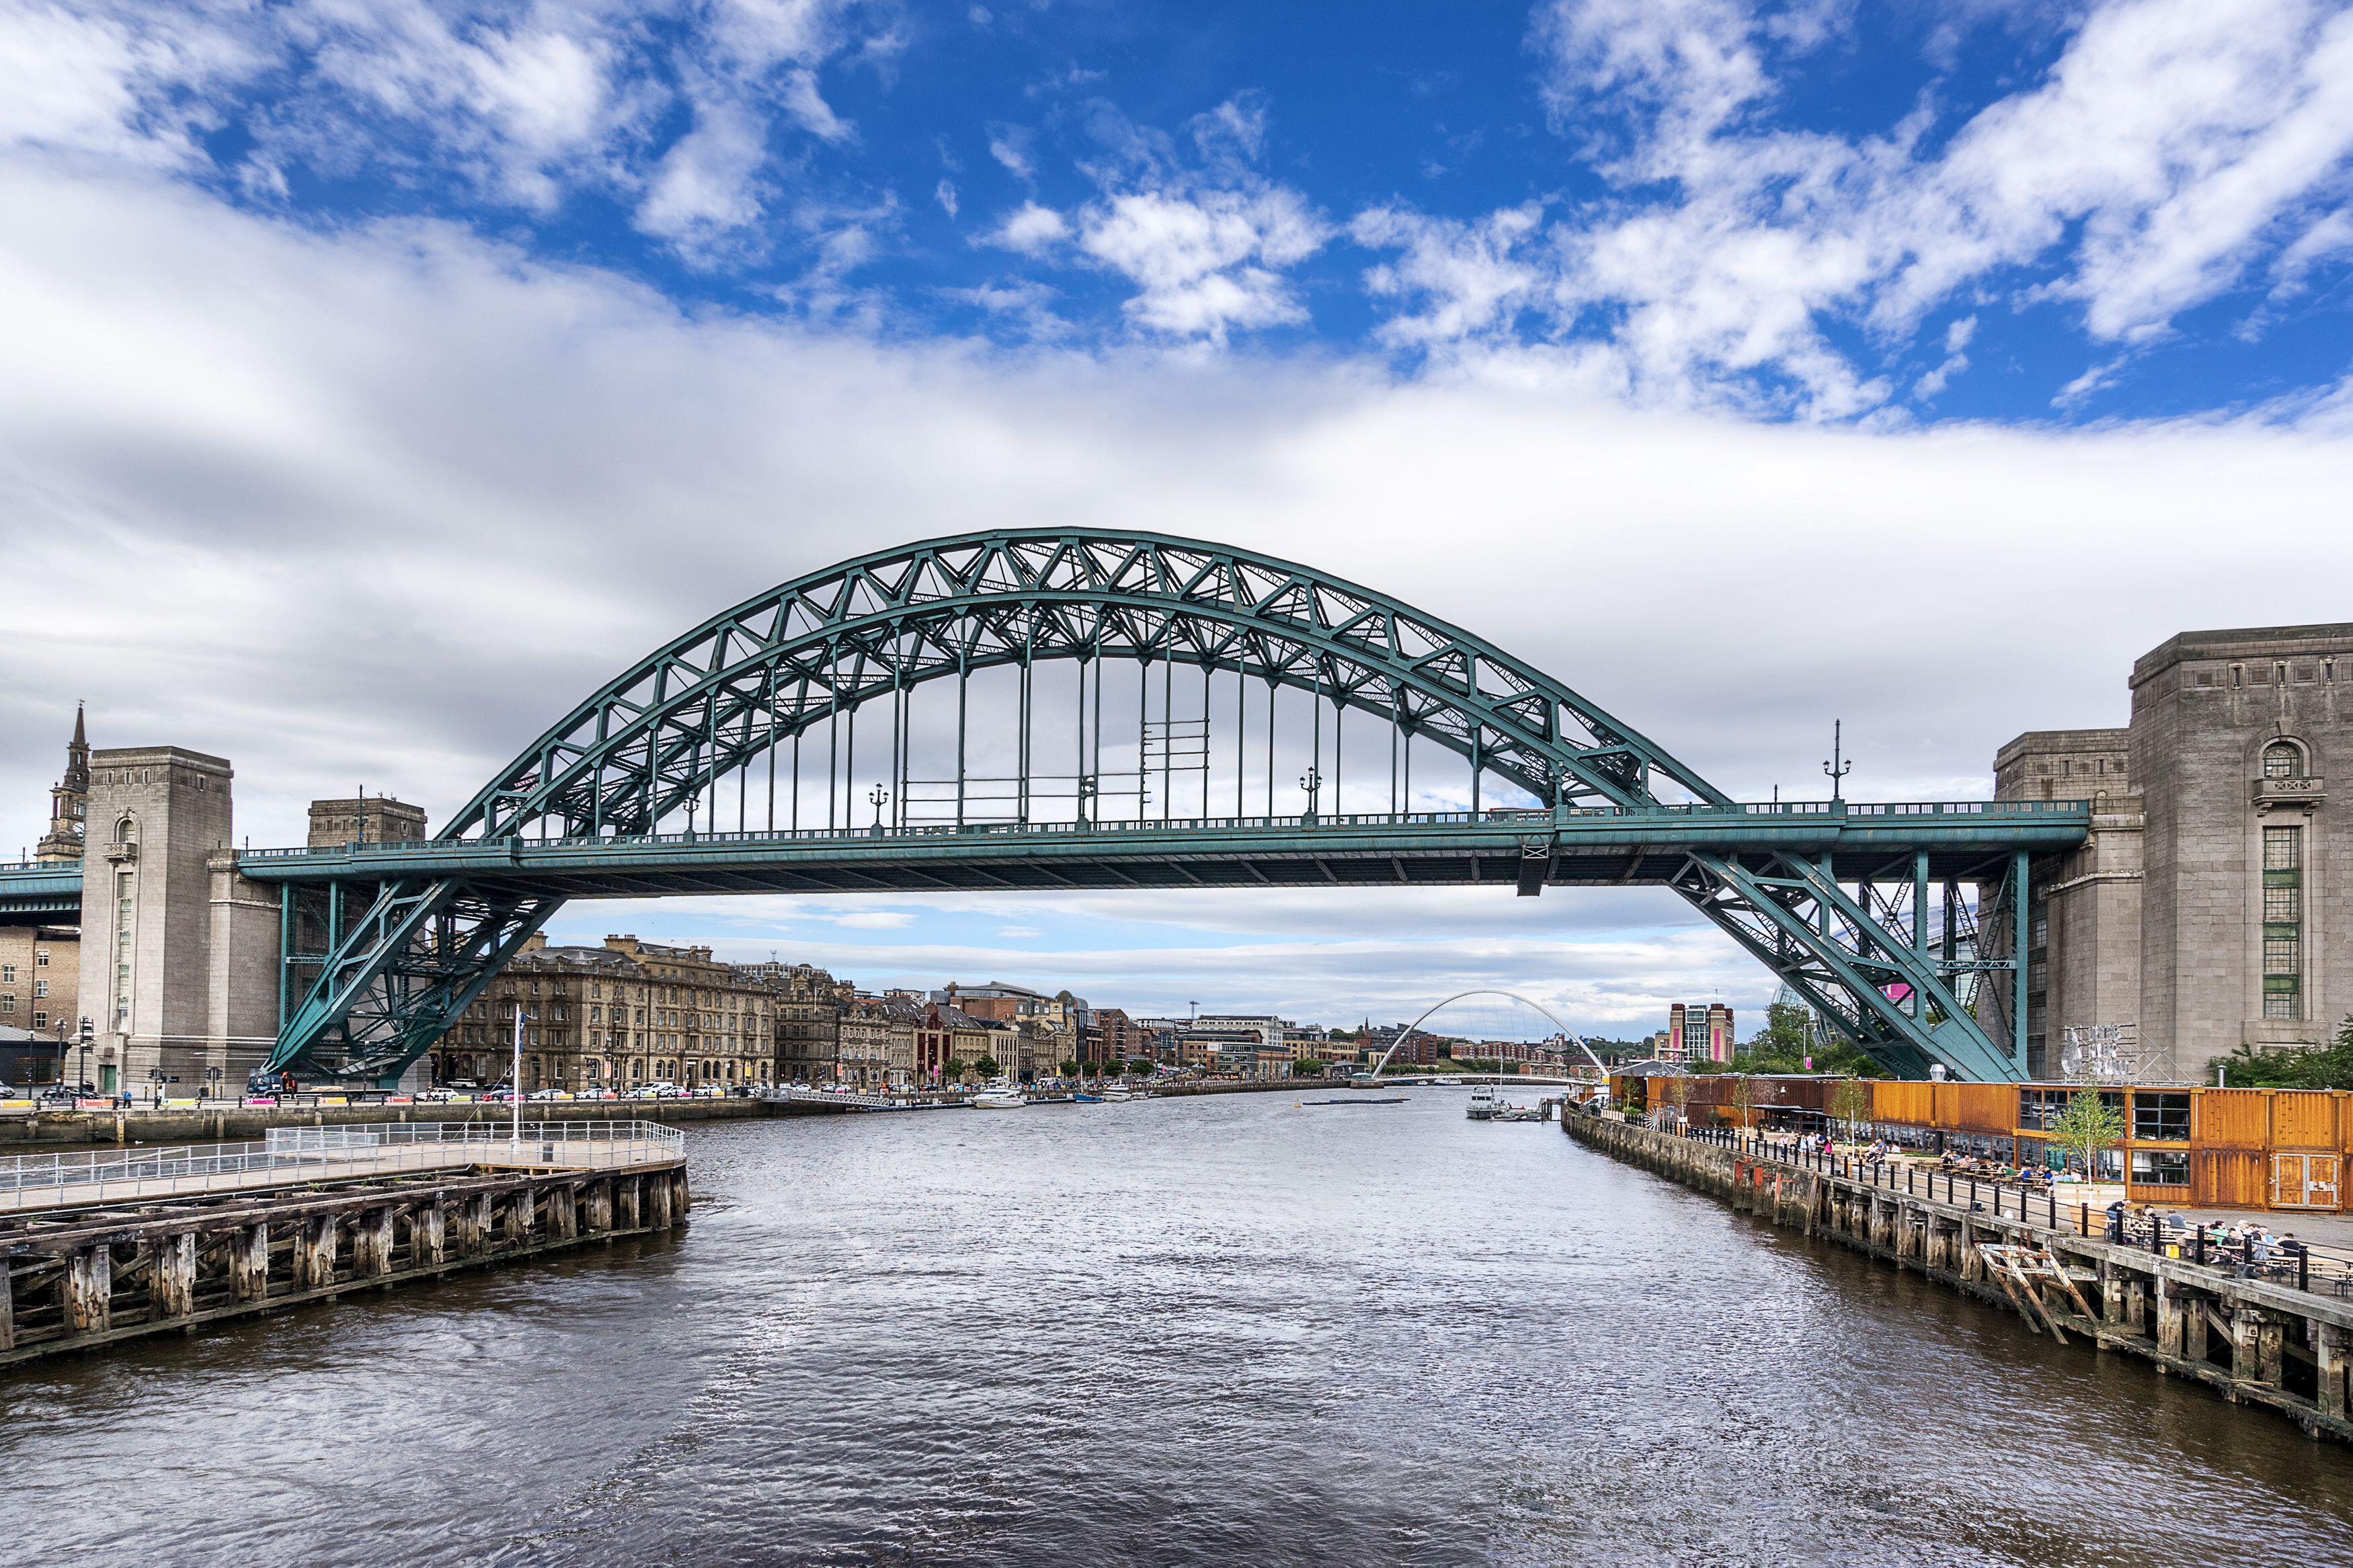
98 1248
2254 1340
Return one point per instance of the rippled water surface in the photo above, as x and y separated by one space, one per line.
1221 1330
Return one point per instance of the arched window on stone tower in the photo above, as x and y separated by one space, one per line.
2283 760
126 831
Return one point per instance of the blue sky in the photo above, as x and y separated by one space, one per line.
382 375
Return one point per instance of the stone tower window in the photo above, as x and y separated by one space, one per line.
2283 937
2283 760
126 832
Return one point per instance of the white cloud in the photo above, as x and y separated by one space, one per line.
945 193
1469 275
1207 263
1030 230
526 105
706 185
2165 148
1009 146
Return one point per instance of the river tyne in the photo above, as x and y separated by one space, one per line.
1214 1331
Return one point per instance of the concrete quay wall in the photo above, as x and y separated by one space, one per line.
2253 1342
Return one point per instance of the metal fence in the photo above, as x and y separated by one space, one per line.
2324 1270
326 1154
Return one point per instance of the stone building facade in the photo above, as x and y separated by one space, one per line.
2214 905
41 992
179 953
618 1017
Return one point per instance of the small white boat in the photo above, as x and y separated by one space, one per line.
999 1099
1483 1106
1117 1096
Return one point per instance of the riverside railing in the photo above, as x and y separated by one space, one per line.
325 1153
2307 1265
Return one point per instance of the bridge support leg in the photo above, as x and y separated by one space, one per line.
90 1289
249 1264
171 1284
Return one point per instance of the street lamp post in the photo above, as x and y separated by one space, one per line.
1311 781
515 1083
879 797
85 1059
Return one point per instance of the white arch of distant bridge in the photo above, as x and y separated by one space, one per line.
1567 1033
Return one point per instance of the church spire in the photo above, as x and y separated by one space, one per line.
68 801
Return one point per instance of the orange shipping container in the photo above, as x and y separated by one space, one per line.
2228 1178
1910 1103
2228 1118
2303 1118
1986 1107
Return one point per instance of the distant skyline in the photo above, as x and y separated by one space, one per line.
382 378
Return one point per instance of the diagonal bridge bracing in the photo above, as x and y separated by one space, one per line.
1101 676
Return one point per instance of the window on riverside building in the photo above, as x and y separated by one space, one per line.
7 1002
8 974
2283 920
2160 1168
2160 1118
2283 760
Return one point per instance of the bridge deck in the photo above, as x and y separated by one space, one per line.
1963 840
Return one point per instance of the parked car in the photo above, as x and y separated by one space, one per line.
435 1096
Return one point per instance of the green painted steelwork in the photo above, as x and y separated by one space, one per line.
583 811
34 892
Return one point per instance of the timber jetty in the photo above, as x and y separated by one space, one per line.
2253 1341
96 1249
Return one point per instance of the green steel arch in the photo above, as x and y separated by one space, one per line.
652 745
651 740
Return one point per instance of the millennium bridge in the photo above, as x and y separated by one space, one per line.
1059 708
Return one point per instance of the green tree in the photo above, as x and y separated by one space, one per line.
1850 1104
2087 1128
986 1067
1743 1099
953 1071
1309 1067
1070 1069
2315 1067
1139 1068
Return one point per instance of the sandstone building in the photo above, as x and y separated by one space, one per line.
2210 907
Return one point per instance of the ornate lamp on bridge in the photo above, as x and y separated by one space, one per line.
1311 781
1838 767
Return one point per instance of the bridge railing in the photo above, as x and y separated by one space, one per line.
1493 817
571 1142
324 1153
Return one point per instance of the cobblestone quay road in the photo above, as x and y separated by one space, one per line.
1222 1331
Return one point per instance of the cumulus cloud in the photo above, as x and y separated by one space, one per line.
2168 146
527 104
1030 230
1207 263
1470 277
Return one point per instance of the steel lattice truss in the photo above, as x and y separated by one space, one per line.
651 743
774 667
